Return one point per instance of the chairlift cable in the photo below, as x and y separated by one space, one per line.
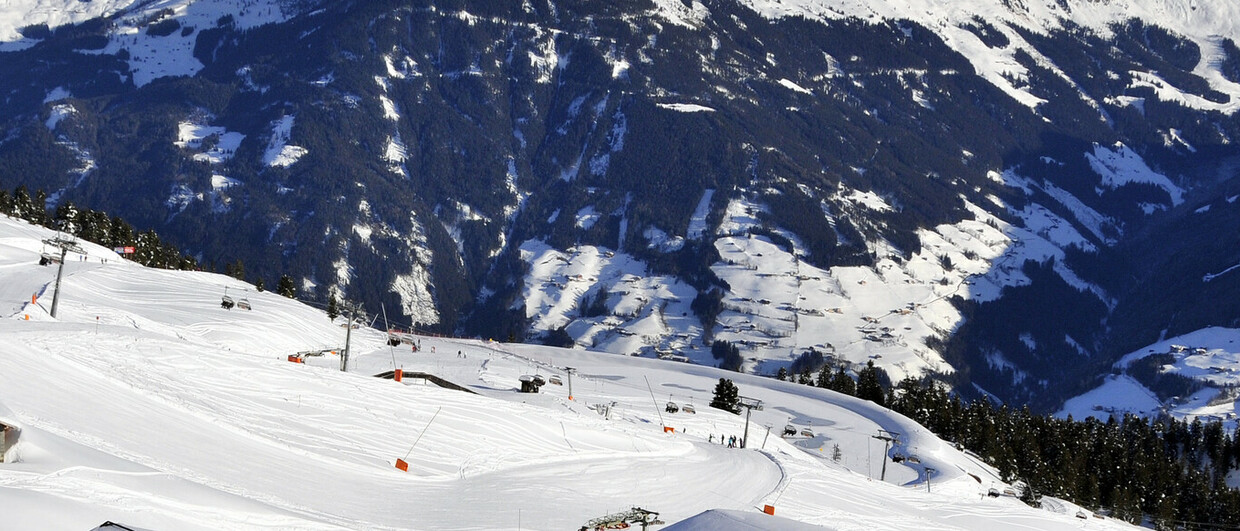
656 402
428 425
391 348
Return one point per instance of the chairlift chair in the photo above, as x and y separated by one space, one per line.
807 432
790 430
555 380
227 303
688 408
672 407
243 303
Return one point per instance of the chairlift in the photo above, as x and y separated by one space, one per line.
393 340
530 383
227 302
897 458
807 432
555 380
672 407
243 303
790 430
688 408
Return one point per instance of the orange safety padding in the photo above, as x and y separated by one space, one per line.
669 429
34 298
768 509
401 464
398 374
293 358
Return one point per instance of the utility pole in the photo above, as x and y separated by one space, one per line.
570 372
929 472
749 404
65 246
353 310
887 437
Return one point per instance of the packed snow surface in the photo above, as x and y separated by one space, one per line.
145 402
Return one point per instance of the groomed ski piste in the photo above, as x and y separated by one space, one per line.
145 403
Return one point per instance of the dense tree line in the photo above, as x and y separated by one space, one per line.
729 355
1170 471
111 231
94 226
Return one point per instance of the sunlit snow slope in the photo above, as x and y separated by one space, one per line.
146 403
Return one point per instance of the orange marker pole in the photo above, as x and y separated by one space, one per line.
400 463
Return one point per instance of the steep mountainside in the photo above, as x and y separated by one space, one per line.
1006 194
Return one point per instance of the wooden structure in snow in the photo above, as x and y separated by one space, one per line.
8 438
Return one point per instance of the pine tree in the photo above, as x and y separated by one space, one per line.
260 285
333 307
66 218
22 204
39 215
727 396
836 454
824 377
869 387
782 375
841 382
285 287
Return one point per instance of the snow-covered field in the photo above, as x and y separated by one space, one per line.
1209 355
145 403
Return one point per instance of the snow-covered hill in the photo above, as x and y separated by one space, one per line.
1208 357
146 403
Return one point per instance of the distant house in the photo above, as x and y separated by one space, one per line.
8 438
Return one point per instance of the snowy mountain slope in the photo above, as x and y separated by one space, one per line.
146 403
1204 22
859 179
1208 356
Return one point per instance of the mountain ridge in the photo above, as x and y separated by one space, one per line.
902 172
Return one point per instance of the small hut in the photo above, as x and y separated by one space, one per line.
8 438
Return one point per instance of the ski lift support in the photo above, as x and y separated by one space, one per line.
65 245
749 404
354 312
887 437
